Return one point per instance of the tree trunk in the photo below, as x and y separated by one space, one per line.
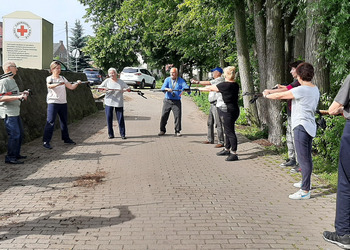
260 39
288 51
222 58
312 47
299 45
244 63
275 66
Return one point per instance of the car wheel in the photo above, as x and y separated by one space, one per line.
153 86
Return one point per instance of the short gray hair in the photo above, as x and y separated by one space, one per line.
7 65
112 69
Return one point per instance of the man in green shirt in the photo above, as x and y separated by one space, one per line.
9 111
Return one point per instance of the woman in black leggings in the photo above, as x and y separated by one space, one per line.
229 90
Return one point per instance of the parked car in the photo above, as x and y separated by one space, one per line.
95 76
138 77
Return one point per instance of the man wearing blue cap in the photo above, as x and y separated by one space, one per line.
216 101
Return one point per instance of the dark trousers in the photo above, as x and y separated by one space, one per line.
54 109
171 105
229 119
303 147
119 111
14 129
342 217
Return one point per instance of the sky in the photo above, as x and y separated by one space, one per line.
56 12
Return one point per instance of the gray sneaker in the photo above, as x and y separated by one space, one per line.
296 169
341 241
289 163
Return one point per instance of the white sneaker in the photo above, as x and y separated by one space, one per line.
298 185
177 134
300 195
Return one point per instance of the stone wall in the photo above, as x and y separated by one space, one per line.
33 111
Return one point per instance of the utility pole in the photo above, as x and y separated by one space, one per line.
67 44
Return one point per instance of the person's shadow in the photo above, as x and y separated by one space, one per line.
56 224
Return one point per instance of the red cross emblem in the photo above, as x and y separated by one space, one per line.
22 30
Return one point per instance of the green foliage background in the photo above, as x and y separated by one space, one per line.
201 34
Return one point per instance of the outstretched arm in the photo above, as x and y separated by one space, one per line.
335 108
280 95
209 88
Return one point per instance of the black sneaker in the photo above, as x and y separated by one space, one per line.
223 152
289 163
232 157
47 145
70 141
341 241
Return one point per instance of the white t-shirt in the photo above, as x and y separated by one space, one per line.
213 96
114 98
58 94
304 107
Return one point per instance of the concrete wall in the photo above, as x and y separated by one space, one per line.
33 111
46 43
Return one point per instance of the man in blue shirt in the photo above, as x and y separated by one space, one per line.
173 87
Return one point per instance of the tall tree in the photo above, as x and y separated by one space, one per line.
258 13
244 62
111 46
275 65
314 42
78 41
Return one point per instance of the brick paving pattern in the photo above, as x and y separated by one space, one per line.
150 192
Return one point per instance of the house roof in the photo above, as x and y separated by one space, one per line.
22 14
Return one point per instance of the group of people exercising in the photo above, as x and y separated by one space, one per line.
224 111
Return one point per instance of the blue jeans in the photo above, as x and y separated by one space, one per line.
303 147
119 111
52 110
14 129
342 216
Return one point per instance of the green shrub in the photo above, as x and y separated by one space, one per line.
242 119
326 145
202 102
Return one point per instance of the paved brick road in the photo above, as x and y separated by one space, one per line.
157 192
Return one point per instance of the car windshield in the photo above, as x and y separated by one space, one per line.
129 70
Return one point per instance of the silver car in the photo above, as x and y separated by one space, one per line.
138 77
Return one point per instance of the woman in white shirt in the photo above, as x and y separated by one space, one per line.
304 103
115 89
57 104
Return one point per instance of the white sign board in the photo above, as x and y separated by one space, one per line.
22 30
